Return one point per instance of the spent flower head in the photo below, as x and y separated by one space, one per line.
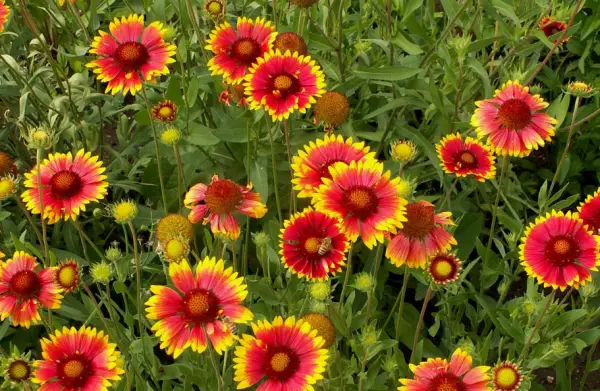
101 273
460 44
113 253
123 211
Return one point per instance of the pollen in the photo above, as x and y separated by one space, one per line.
312 245
420 218
324 327
280 361
131 56
223 196
172 225
332 109
73 368
283 82
6 164
65 184
25 283
292 42
562 246
467 157
359 198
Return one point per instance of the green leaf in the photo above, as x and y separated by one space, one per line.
506 10
406 44
201 135
260 178
399 102
561 322
467 232
390 73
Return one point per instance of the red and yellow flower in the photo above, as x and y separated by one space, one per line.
193 312
444 268
283 355
236 49
560 251
438 374
68 184
506 376
67 275
131 50
217 201
589 212
24 289
550 25
465 158
4 14
513 121
313 245
312 165
165 111
82 360
364 198
422 236
284 83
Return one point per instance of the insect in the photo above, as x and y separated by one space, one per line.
325 246
228 323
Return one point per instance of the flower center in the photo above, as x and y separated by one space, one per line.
214 7
361 202
281 364
285 84
562 250
506 378
514 114
223 196
446 382
131 56
201 306
280 361
312 245
175 249
467 158
245 50
6 163
25 283
65 184
19 370
403 151
74 371
67 277
420 220
165 112
7 186
443 268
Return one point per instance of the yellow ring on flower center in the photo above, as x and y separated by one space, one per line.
280 361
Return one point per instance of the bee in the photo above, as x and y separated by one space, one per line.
228 324
325 246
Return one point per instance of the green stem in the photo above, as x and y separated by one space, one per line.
160 174
494 216
273 161
138 278
30 220
87 239
286 131
448 193
566 151
180 178
195 25
38 160
525 351
347 278
588 363
420 323
458 94
79 21
378 257
214 362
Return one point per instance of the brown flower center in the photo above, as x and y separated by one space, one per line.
446 382
6 164
281 363
361 202
131 56
26 283
285 84
292 42
562 250
514 114
65 184
74 371
201 306
19 370
223 196
245 51
420 220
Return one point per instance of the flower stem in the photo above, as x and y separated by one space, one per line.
458 94
286 131
214 362
79 21
448 193
566 151
30 219
525 351
160 175
273 161
38 161
420 323
402 296
180 176
138 278
588 363
347 278
494 216
378 256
